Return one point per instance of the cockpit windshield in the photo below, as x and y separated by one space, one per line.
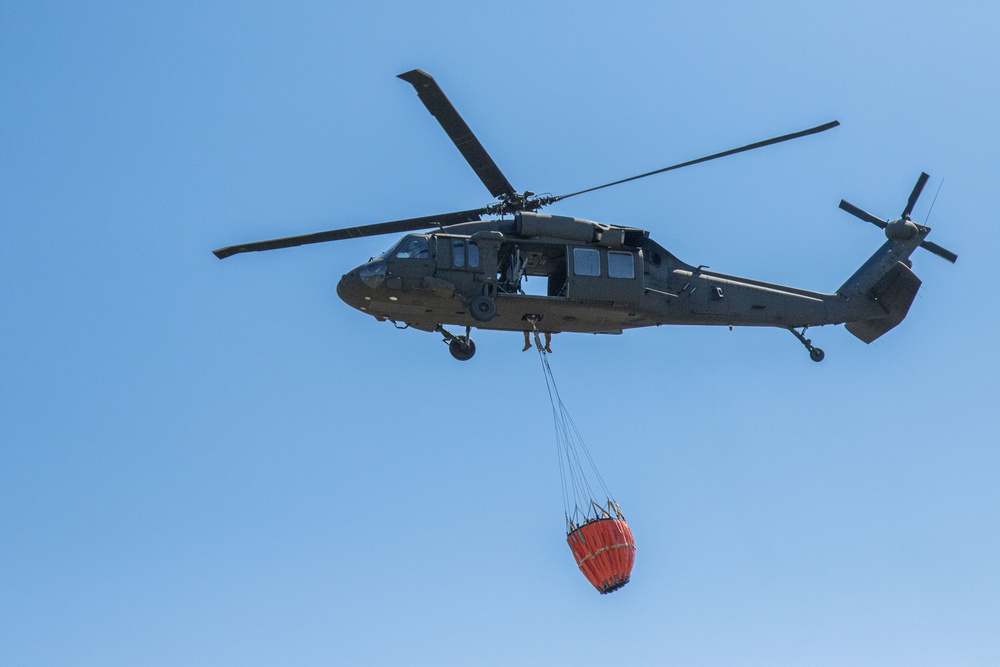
390 250
412 247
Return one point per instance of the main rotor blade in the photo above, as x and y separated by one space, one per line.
440 106
939 251
393 227
860 213
917 189
733 151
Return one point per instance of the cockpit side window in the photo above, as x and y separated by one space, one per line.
412 247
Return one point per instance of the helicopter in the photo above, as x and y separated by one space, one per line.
459 269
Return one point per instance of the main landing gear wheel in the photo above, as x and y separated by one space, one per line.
483 308
816 354
462 347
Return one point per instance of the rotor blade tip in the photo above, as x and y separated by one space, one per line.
943 253
414 75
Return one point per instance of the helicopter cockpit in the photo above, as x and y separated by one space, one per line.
412 246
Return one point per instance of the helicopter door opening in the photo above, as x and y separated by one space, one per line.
533 269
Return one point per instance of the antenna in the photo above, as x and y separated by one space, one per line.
927 220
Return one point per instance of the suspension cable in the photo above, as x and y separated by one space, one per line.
580 503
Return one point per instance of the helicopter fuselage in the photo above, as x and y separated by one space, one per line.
597 279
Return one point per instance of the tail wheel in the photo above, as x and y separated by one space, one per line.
483 308
462 347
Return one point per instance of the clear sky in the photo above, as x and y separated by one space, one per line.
219 463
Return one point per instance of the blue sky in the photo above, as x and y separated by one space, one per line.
211 463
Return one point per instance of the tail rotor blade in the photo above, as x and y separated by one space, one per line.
917 189
861 213
939 251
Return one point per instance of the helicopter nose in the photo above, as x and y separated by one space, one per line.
349 289
358 286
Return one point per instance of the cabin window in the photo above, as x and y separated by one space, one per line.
586 261
458 252
412 247
621 264
473 255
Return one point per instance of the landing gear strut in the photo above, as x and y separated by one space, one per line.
461 347
815 353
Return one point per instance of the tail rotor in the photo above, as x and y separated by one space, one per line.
902 228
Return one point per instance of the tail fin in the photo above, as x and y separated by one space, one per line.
893 292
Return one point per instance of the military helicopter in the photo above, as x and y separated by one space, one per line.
599 278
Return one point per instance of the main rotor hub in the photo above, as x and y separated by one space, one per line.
524 201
